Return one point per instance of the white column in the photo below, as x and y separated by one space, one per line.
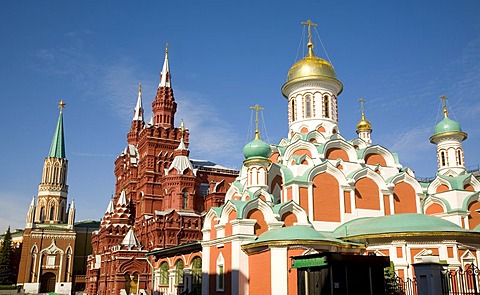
205 269
279 270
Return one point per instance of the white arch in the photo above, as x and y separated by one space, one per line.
343 145
294 208
259 204
369 173
327 167
300 145
386 154
438 181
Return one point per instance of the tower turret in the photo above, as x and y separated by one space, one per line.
364 127
31 214
448 137
256 153
164 105
311 89
53 190
137 121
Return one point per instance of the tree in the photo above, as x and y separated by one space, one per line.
7 275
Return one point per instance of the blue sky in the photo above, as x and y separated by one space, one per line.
225 56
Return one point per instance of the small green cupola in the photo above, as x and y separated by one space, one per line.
257 148
447 127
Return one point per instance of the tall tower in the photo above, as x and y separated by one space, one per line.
448 137
164 105
311 90
364 127
53 190
46 264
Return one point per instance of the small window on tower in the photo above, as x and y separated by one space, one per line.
308 106
293 110
326 106
443 158
459 157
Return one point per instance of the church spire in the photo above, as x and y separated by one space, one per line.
364 127
165 74
138 113
57 149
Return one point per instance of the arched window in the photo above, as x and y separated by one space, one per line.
179 273
443 159
326 107
184 200
293 110
220 273
459 157
164 274
67 265
308 106
196 273
42 214
52 212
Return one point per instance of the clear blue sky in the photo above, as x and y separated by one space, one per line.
225 56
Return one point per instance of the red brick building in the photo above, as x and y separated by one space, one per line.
160 197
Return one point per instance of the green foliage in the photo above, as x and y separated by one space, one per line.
7 274
393 284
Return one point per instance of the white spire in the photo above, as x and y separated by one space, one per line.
165 74
138 114
32 203
71 215
123 199
31 213
131 240
182 146
110 207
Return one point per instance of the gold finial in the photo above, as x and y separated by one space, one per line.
256 108
309 24
445 111
61 105
362 101
182 128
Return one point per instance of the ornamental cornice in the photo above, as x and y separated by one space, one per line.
312 82
54 236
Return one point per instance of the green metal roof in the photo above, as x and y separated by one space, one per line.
295 233
447 125
398 223
456 182
57 149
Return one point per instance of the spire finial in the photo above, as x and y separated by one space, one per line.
182 128
309 25
444 99
166 48
165 74
140 88
61 105
362 101
256 108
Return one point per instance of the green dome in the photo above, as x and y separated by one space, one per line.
295 233
257 148
398 223
446 127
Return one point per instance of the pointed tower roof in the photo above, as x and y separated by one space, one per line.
131 240
122 201
138 114
181 162
32 204
72 205
110 207
165 74
57 149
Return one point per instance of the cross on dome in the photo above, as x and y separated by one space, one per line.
444 100
309 24
256 108
61 105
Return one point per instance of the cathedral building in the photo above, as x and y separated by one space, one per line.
48 243
149 235
316 191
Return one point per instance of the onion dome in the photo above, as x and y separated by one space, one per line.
257 148
311 66
364 125
447 127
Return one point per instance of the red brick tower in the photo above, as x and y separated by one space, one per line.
160 195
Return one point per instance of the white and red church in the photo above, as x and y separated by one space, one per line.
182 226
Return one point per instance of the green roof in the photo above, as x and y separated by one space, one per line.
57 149
295 233
456 182
257 148
398 223
447 125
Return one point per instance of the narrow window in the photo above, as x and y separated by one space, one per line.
164 274
459 157
293 110
185 200
179 273
326 106
442 158
308 106
220 273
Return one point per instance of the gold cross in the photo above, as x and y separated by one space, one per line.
309 24
256 108
61 105
444 99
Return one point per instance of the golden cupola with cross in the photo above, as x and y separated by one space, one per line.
311 89
364 127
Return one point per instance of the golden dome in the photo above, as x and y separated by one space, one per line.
311 66
364 125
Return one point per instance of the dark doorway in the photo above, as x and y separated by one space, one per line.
47 282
